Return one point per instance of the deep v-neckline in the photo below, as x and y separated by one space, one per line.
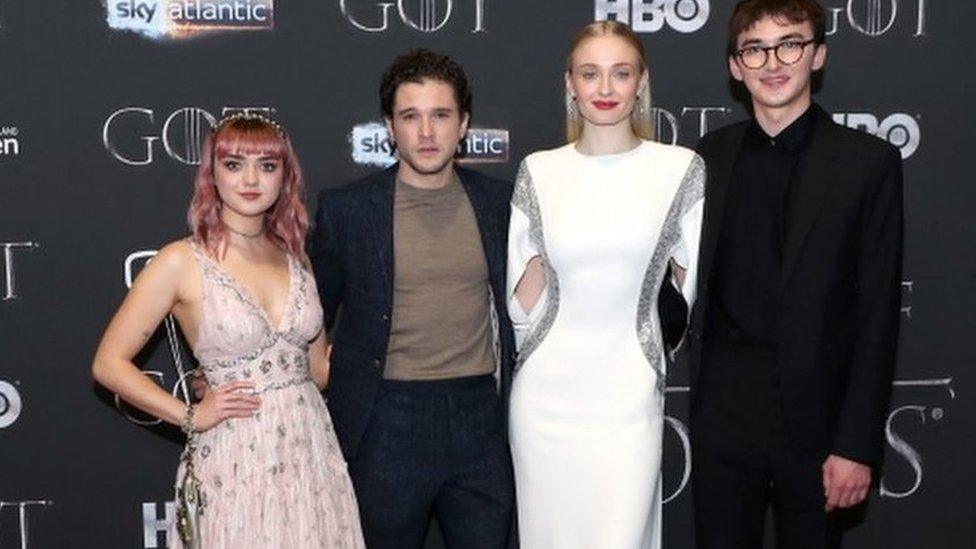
251 299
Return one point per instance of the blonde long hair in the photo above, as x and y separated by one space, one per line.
640 116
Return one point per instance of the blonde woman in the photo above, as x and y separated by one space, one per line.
594 225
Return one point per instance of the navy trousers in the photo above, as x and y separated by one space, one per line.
435 448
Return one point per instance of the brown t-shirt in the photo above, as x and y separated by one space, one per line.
441 325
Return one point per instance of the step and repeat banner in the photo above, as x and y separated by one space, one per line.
104 105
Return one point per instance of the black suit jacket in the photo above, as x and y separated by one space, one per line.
352 256
840 292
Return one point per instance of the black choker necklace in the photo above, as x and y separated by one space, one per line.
245 235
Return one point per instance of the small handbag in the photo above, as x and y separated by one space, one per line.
190 499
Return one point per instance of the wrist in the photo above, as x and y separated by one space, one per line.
187 424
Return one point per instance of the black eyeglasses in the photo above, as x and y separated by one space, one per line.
788 53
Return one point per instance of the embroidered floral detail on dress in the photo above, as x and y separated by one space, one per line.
285 439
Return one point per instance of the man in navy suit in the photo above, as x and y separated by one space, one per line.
410 266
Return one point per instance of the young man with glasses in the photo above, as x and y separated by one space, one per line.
793 336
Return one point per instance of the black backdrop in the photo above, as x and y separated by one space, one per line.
100 125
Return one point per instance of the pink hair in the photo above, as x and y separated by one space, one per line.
286 221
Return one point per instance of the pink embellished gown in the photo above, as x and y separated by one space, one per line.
277 479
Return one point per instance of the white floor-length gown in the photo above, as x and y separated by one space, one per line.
587 402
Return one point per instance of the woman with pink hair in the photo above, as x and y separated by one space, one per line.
262 467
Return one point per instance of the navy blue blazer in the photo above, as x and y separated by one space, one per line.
352 256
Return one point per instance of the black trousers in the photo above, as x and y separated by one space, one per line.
743 462
435 448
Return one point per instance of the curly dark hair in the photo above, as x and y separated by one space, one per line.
418 65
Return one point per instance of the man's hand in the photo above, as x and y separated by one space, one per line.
846 483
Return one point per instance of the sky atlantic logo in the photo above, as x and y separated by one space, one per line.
876 17
10 404
426 16
899 129
131 134
370 145
484 146
684 16
159 19
9 141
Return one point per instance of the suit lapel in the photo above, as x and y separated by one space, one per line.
816 174
718 178
381 219
484 215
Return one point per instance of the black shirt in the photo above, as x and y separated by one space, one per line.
749 257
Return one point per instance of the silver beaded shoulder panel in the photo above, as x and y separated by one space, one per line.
690 191
525 200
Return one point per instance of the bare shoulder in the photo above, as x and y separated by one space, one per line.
172 265
175 257
173 271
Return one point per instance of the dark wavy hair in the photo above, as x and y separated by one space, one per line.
418 65
748 12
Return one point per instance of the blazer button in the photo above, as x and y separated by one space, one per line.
386 317
377 363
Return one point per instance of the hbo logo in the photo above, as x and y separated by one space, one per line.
643 16
899 129
10 404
